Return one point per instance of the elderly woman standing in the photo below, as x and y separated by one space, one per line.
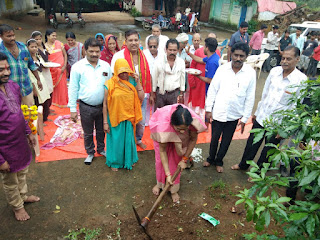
121 112
174 131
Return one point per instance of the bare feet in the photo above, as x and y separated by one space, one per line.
32 199
219 169
114 169
235 167
142 145
175 197
206 164
21 214
156 190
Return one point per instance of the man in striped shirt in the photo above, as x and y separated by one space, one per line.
282 82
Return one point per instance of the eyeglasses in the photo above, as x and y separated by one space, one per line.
151 46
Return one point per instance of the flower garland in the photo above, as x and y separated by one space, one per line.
30 115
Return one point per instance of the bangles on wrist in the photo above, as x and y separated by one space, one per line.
168 174
185 159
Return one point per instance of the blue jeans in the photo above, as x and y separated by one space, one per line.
141 124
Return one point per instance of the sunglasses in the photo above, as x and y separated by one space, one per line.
151 46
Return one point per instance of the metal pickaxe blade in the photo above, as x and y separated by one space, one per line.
143 226
146 220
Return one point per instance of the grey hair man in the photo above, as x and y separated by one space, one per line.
156 31
196 40
152 54
282 82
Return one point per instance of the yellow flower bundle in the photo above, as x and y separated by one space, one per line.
30 114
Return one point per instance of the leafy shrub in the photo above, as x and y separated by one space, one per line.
135 13
263 201
253 26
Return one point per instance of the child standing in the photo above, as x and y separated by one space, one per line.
43 55
41 97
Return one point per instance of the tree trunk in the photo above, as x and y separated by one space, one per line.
48 4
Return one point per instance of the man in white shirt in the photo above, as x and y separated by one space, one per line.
229 102
183 38
282 82
152 54
87 80
271 47
156 31
178 16
196 40
169 76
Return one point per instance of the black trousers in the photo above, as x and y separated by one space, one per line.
293 184
312 67
92 117
46 107
251 149
226 129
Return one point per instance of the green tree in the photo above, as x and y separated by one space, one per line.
263 201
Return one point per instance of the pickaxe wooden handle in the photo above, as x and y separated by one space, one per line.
145 221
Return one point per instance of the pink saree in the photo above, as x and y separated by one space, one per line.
177 143
60 90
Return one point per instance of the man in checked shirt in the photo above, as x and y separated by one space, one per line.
281 83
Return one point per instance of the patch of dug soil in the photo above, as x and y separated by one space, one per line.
181 221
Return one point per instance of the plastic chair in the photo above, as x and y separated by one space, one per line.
223 45
259 64
223 59
252 60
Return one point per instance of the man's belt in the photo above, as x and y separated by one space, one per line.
96 106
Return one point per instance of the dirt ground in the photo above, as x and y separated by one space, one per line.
95 197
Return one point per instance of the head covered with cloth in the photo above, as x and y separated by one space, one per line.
119 84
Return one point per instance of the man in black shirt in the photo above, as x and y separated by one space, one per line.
308 48
284 42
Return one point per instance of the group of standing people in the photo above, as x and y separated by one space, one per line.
309 48
116 90
186 17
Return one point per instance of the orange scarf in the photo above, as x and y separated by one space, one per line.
122 104
144 71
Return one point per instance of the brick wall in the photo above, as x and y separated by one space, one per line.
148 7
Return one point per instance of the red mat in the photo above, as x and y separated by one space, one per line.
76 148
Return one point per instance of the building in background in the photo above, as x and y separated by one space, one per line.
232 13
15 6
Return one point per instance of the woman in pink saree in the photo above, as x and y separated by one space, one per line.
174 131
59 74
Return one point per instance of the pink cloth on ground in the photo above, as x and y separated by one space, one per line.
67 132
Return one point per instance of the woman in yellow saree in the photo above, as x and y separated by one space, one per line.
121 113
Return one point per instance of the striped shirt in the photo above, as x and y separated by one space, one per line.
277 92
19 67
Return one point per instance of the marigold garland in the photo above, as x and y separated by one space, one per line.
30 114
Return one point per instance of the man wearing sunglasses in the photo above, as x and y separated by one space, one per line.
152 53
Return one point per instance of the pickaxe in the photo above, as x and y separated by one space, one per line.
145 221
